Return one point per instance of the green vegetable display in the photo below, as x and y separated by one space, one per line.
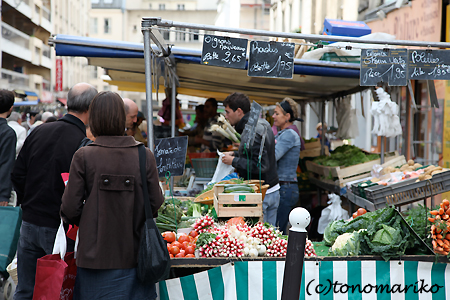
238 188
346 244
386 234
346 155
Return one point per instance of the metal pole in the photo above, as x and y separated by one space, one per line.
173 119
293 268
148 86
382 150
309 37
322 141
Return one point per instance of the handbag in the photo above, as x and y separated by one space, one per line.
56 273
153 257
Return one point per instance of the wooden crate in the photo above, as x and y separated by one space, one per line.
313 152
312 145
343 175
240 201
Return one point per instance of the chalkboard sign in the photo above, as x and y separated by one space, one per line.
271 59
170 155
383 65
248 135
224 51
429 64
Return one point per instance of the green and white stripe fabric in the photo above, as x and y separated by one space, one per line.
325 280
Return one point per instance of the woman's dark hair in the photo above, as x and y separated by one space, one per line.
107 115
237 100
6 100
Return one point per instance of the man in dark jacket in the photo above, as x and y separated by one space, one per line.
237 109
46 153
8 141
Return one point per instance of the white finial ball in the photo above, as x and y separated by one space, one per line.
299 219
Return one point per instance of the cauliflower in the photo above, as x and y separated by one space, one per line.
346 244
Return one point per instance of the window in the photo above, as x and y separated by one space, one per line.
180 6
165 34
195 35
150 6
107 25
180 36
94 73
162 7
94 26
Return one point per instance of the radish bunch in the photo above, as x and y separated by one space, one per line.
265 233
222 246
203 224
309 249
277 247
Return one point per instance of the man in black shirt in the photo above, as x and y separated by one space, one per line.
46 153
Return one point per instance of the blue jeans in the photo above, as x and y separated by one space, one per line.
117 284
270 207
34 242
288 199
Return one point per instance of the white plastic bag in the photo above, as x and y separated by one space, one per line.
332 212
222 169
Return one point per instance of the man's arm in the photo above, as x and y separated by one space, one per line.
253 155
19 173
7 157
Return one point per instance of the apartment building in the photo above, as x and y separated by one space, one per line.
121 20
26 62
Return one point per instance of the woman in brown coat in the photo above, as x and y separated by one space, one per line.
104 196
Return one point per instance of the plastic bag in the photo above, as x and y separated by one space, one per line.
222 169
332 212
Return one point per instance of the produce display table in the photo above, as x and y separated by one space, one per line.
368 205
362 277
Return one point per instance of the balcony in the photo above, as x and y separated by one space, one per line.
15 80
15 42
23 7
46 57
46 19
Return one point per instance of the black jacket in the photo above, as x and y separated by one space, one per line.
46 153
268 161
8 141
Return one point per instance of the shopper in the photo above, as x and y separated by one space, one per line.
111 215
287 152
211 141
46 153
14 121
237 108
8 142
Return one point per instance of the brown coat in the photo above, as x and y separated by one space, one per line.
113 215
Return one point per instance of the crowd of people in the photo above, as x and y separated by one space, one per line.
96 142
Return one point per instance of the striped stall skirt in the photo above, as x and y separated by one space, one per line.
322 280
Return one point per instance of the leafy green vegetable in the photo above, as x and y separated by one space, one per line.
205 238
346 155
387 235
347 244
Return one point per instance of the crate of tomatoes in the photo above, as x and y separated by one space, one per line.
181 245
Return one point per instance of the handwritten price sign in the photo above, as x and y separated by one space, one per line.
383 65
429 64
224 51
271 59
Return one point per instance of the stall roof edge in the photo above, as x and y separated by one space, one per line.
312 81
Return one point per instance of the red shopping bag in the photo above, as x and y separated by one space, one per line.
55 278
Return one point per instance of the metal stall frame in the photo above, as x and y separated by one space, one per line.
150 23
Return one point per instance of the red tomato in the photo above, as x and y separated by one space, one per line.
193 233
183 238
190 255
175 250
171 255
169 236
184 245
189 250
361 211
180 255
183 252
355 214
169 248
191 239
177 244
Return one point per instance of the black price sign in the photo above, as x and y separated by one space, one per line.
271 59
248 135
383 65
224 51
170 155
429 64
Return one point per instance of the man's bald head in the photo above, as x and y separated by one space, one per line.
80 97
131 111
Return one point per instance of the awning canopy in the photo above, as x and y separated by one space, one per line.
63 101
312 81
25 103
